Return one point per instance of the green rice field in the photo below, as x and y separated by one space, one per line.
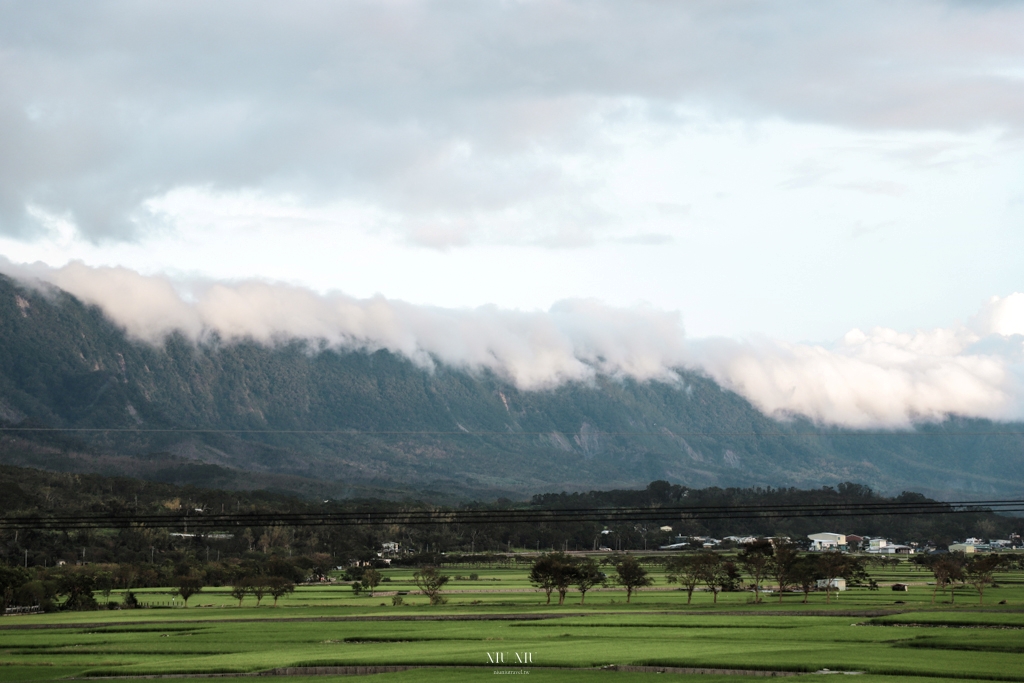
884 635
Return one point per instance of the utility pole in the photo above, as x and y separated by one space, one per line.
26 558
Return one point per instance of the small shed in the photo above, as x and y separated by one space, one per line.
900 587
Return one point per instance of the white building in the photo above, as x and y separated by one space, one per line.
741 540
837 584
882 546
827 541
897 549
966 548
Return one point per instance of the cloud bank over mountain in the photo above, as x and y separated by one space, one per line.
879 378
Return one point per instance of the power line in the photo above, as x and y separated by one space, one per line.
442 517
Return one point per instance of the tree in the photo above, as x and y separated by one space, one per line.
588 575
563 574
781 567
946 569
371 579
686 571
11 580
187 586
805 573
712 573
258 587
756 559
105 584
278 586
353 573
240 588
542 575
631 575
731 580
833 565
978 572
321 564
430 582
78 586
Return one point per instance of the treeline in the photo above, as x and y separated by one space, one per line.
89 586
938 529
29 492
780 565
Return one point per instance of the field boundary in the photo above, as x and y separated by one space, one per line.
480 617
353 617
355 670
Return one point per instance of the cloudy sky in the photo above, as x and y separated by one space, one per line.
784 175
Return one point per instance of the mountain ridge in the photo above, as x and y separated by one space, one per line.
332 420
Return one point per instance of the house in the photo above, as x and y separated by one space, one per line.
389 547
837 584
741 540
705 541
853 540
877 545
966 548
827 541
897 549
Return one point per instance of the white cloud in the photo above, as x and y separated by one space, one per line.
453 115
571 342
880 378
1002 316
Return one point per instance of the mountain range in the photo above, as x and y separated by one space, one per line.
78 394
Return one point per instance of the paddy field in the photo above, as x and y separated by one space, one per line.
492 623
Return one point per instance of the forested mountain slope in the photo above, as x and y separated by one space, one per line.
297 417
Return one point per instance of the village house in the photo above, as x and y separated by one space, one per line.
882 546
827 541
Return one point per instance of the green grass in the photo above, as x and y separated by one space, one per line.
328 625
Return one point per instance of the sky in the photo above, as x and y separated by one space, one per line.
787 184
